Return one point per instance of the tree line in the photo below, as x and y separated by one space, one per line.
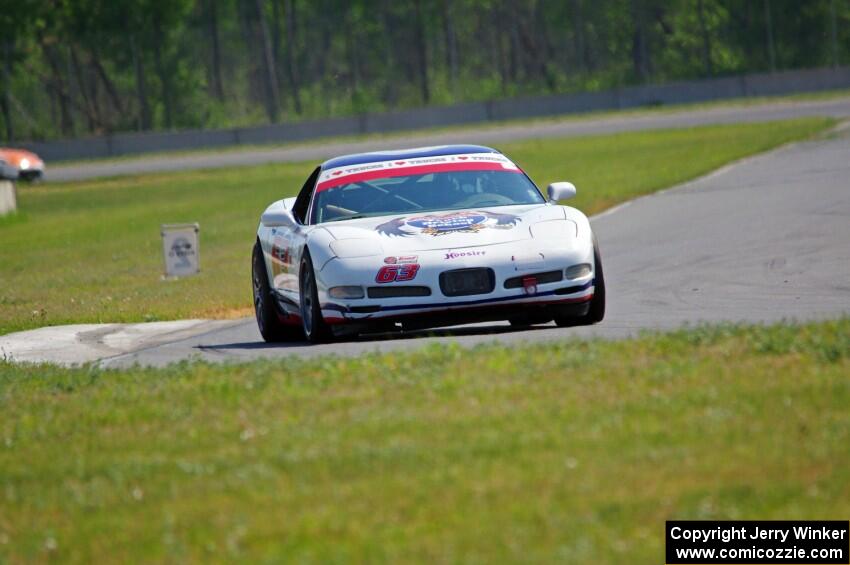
83 67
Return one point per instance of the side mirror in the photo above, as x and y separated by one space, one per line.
561 191
277 218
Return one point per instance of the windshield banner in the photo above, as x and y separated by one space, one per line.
417 166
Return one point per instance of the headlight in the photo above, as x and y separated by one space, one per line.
578 271
25 163
346 292
352 248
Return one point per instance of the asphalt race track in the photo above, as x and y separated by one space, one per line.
763 240
478 134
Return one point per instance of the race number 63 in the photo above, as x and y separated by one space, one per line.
397 273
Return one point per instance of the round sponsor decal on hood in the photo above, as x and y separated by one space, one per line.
465 221
452 222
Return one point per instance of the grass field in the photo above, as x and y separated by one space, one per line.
573 452
90 251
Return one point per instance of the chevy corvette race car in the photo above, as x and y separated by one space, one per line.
30 167
419 238
7 171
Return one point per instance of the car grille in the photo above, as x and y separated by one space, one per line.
397 291
465 282
542 278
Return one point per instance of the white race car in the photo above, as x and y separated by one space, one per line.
427 237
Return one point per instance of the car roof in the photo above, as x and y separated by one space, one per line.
390 155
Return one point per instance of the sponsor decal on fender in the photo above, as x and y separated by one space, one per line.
281 253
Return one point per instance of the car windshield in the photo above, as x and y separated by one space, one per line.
413 190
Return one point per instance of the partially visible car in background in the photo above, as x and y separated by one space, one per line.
30 167
7 171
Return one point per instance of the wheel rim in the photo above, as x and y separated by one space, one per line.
307 301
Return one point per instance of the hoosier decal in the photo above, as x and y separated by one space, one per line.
460 254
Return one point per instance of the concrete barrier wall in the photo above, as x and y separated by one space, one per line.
762 84
766 84
300 131
425 117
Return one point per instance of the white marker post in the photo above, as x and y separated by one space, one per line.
181 249
8 198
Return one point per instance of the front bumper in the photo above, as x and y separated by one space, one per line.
534 313
558 298
33 172
30 175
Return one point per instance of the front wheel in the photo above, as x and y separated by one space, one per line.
268 321
315 328
596 313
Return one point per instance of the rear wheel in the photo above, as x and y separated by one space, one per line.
315 328
268 321
596 313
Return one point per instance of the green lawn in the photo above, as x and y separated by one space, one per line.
573 452
90 251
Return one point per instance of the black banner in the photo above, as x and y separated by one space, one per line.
706 541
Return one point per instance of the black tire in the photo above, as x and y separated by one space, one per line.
597 305
596 313
268 320
312 322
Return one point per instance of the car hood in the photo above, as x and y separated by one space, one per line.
446 229
14 156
